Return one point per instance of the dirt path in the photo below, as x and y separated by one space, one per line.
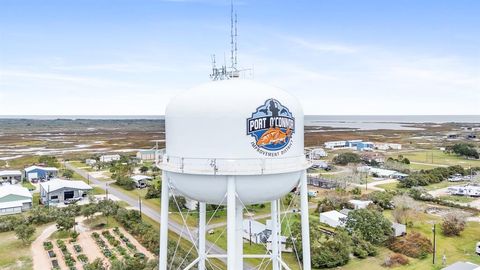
39 256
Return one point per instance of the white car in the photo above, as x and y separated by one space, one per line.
477 250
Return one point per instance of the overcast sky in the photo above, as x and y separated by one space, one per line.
129 57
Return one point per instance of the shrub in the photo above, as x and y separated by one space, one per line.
395 259
412 245
346 158
48 245
453 224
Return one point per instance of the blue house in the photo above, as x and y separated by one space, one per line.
35 173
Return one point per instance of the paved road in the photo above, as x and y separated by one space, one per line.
153 214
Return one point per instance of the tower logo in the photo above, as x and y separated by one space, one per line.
272 126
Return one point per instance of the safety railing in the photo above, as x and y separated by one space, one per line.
226 166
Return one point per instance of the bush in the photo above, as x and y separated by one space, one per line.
395 259
362 248
453 224
382 199
412 245
346 158
369 225
48 245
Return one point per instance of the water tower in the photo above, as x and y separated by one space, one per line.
234 142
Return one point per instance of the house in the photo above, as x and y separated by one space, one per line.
141 181
358 145
462 266
382 173
333 218
14 199
388 146
359 204
35 173
147 155
59 190
399 229
255 231
10 176
90 161
109 158
318 153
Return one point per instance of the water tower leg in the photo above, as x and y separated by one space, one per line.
239 235
231 222
201 235
305 224
162 257
274 228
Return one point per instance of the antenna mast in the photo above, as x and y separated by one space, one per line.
229 72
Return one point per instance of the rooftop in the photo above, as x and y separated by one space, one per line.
6 190
56 184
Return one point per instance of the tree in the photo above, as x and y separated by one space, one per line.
325 251
125 182
68 173
154 191
143 169
382 199
108 208
413 245
89 210
24 232
65 223
464 149
405 206
346 158
369 225
453 224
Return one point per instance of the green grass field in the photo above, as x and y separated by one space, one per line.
14 255
437 157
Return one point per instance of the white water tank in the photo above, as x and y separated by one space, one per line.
235 128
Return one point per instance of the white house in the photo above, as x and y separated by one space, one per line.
255 231
10 176
109 158
141 181
359 204
34 173
283 244
333 218
190 204
14 199
59 190
382 173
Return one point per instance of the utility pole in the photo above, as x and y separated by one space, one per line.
434 229
366 181
106 191
140 206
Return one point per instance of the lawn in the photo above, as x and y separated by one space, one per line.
28 185
455 248
443 184
14 255
438 157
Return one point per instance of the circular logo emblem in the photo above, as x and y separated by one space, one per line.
272 126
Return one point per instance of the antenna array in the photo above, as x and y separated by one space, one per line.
223 72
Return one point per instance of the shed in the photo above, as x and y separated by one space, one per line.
359 204
333 218
255 231
399 229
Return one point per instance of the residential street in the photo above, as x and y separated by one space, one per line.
155 215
